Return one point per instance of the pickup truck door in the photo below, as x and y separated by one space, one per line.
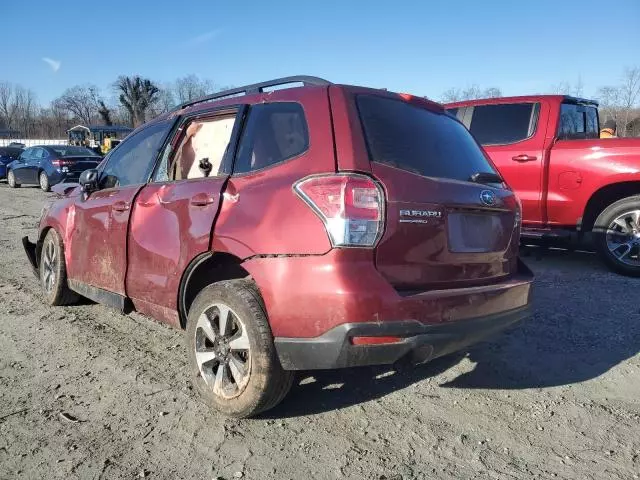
174 214
96 249
513 134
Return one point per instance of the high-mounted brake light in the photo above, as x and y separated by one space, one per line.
350 205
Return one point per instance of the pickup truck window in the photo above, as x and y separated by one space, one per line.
418 140
577 122
503 124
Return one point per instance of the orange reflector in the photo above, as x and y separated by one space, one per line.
374 340
405 96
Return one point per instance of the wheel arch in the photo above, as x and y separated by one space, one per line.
604 197
40 241
206 269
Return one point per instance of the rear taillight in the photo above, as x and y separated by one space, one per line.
59 163
350 205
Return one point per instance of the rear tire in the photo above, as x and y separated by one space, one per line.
53 271
43 180
616 235
11 180
234 364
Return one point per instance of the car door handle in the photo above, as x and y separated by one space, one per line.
524 158
202 199
121 206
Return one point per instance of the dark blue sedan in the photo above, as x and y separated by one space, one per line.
8 155
48 165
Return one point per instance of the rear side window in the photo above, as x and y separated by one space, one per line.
578 122
418 140
10 152
274 132
502 124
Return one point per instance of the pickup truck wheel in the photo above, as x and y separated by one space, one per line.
617 236
232 357
53 272
11 180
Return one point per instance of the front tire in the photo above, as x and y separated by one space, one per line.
43 180
53 271
617 236
11 180
232 357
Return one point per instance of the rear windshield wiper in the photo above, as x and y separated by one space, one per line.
486 177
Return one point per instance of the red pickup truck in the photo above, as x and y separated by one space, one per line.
573 186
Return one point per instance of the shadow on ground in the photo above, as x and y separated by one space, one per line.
586 320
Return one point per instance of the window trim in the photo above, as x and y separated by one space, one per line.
178 131
281 162
535 113
109 156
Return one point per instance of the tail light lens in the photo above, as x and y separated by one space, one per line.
350 205
59 163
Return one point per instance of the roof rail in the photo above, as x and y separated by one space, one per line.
257 88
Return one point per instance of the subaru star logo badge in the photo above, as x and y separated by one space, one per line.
488 197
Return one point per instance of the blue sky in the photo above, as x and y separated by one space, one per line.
421 47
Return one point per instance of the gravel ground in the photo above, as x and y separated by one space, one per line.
88 393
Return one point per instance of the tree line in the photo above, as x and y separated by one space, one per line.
135 99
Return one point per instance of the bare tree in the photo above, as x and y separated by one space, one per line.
104 112
470 93
620 102
27 111
566 88
8 104
629 93
191 87
164 101
137 94
81 101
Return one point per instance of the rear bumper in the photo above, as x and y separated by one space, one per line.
317 303
420 342
63 177
3 170
30 250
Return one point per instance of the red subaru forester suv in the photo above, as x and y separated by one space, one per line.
312 227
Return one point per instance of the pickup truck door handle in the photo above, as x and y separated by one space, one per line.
202 200
121 206
524 158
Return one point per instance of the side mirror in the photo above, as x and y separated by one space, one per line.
89 180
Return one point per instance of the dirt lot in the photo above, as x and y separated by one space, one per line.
88 393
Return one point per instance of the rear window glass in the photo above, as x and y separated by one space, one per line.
274 133
10 152
504 123
418 140
578 122
72 151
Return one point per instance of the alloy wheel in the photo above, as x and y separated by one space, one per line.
11 179
43 181
223 351
623 238
49 266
